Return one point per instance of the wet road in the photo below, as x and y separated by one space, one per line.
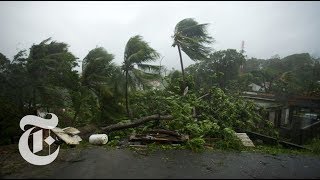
98 162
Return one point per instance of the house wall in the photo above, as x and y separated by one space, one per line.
285 117
272 117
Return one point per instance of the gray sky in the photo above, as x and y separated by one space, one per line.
268 28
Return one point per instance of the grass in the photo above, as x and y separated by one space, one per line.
314 145
266 149
276 150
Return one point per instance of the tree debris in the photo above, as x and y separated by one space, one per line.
160 136
136 122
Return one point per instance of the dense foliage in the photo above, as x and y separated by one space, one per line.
204 102
218 115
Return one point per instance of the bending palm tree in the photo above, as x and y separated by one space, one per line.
191 37
99 78
137 53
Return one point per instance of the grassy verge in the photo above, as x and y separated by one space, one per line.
277 150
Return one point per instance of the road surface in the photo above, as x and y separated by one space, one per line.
99 162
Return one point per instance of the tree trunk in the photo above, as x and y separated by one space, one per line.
127 103
75 117
77 109
182 70
34 98
136 122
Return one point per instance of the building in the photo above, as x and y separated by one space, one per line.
257 88
296 117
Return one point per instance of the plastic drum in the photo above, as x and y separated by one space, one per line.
98 139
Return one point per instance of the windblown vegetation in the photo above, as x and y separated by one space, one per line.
201 100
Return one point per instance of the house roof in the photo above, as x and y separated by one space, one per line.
304 101
265 98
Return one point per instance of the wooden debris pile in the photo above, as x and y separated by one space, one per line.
159 136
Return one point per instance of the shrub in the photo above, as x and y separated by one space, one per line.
196 144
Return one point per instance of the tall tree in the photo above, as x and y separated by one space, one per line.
50 68
227 62
100 80
137 53
42 79
192 38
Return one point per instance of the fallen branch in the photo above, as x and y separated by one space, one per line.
204 96
136 122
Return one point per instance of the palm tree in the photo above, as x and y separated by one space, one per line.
99 78
137 53
97 68
192 38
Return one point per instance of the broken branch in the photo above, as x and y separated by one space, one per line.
136 122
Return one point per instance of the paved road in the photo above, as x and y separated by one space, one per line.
98 162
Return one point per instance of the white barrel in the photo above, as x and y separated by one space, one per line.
98 139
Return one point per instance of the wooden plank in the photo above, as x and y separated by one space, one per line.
246 141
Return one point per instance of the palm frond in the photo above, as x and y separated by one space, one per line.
149 67
193 39
138 51
97 54
45 41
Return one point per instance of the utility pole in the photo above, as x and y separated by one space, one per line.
241 51
242 47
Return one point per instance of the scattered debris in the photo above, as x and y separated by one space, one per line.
71 130
87 130
98 139
69 136
160 136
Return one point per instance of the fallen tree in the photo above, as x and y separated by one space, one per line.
136 122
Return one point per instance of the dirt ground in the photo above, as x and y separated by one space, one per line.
101 162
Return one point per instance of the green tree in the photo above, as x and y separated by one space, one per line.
42 79
3 60
221 69
253 64
227 64
204 74
137 53
50 69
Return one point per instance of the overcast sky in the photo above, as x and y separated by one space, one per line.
268 28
